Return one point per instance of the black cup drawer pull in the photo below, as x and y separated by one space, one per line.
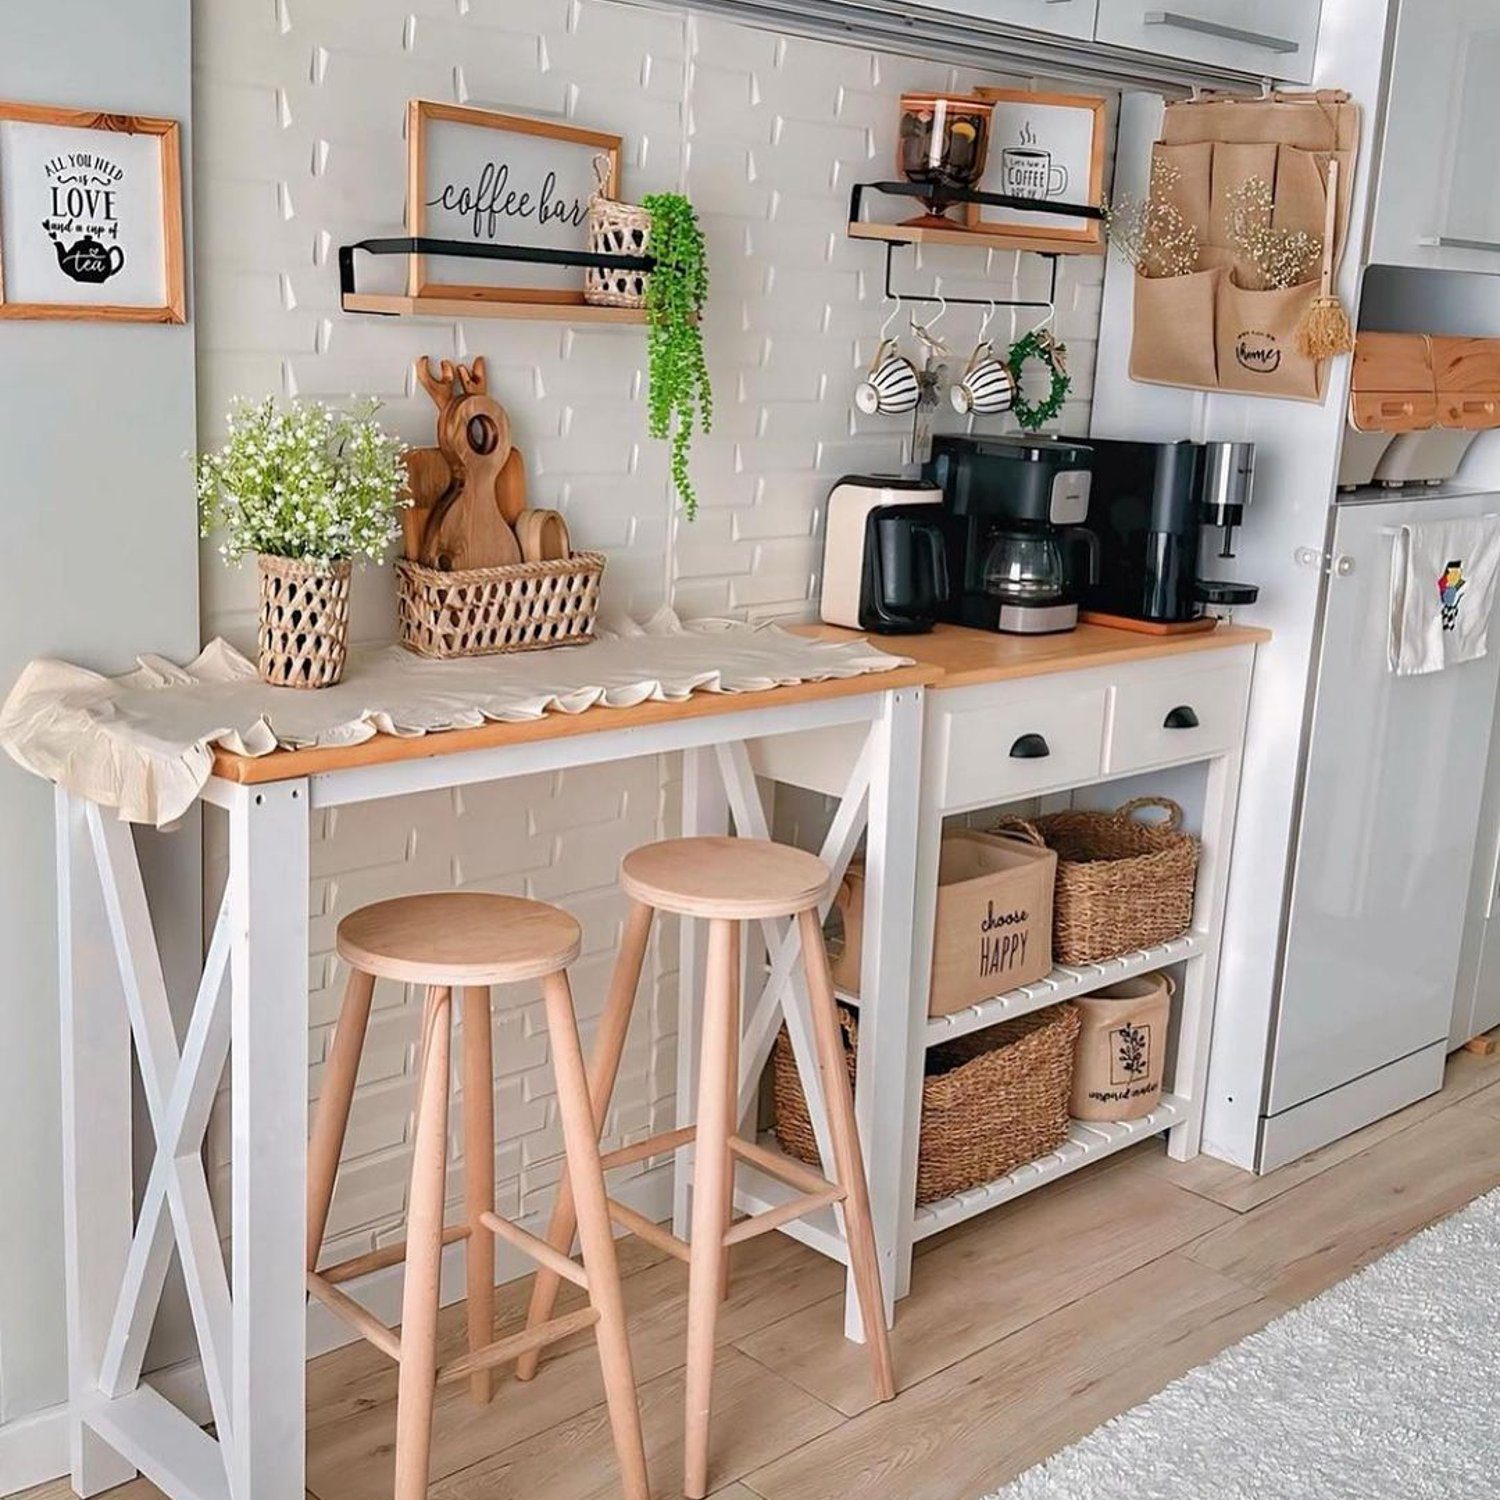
1181 717
1030 747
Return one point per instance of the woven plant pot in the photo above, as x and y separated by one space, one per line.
1121 884
616 229
991 1101
304 621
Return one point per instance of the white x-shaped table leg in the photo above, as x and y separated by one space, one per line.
180 1089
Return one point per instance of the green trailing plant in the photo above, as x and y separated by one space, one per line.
681 398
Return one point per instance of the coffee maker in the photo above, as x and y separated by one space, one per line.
1014 510
1151 504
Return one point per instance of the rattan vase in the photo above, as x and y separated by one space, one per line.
617 229
304 621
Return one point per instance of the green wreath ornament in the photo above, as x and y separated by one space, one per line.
1040 345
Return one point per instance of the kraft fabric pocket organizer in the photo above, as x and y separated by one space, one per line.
1220 328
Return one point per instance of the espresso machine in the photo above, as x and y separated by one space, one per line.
1151 504
1018 555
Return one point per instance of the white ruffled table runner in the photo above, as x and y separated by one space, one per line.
143 743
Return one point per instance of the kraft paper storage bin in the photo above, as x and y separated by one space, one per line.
993 930
1122 1049
991 1101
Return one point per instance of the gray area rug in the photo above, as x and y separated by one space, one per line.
1387 1384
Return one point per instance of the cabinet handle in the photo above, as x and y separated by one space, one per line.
1456 242
1181 717
1030 747
1261 39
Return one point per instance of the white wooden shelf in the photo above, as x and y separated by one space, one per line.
1065 982
1088 1142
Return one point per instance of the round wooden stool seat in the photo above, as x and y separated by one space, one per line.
736 879
459 938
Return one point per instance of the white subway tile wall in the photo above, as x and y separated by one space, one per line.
299 149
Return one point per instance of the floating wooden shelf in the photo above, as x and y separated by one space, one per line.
393 304
972 239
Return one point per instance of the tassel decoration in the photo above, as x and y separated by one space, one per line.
1324 330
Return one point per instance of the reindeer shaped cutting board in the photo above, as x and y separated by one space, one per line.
462 525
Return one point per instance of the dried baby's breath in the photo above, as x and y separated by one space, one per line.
1152 234
1281 258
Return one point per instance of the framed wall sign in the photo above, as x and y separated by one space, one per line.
90 215
490 178
1044 146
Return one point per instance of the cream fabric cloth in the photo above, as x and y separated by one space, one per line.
1443 580
143 743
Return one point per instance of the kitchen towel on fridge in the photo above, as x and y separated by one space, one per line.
1443 578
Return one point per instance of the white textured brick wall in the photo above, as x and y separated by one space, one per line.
299 149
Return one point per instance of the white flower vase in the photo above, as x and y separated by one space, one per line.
304 621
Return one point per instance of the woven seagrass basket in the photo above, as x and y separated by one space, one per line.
1122 884
484 611
616 229
303 641
991 1101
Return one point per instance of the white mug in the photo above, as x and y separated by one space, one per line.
890 388
986 386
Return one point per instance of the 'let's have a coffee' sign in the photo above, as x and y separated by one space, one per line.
89 215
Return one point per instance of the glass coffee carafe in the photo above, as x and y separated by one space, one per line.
1025 566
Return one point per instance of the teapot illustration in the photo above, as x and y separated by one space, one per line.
89 259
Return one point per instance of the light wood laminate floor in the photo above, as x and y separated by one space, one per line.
1025 1329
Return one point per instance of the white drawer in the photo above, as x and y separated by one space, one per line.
997 752
1185 716
1269 38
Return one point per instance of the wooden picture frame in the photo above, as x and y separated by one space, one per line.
1044 145
501 210
75 213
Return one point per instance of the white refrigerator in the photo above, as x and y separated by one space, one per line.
1393 779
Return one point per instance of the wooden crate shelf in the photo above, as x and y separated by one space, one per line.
392 304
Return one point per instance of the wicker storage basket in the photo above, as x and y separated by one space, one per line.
616 229
1121 883
303 639
991 1101
483 611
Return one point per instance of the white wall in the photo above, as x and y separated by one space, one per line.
100 563
300 150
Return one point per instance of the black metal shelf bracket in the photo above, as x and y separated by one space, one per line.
536 255
970 195
992 200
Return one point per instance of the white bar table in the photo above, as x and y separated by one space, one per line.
251 1320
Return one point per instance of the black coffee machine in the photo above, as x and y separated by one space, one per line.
1014 509
1149 506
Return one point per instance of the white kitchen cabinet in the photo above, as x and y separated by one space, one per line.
1070 18
1269 38
1438 199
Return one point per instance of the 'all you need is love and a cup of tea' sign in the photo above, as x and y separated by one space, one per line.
90 215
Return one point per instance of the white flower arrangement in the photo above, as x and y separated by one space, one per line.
304 481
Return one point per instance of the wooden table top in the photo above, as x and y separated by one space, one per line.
950 656
383 749
965 657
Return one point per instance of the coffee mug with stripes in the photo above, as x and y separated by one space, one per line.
890 387
986 386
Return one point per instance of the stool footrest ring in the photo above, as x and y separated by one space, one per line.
379 1260
502 1351
783 1213
656 1145
360 1319
538 1249
643 1229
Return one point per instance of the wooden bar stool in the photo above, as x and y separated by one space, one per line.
468 941
726 881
